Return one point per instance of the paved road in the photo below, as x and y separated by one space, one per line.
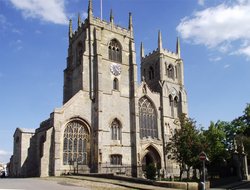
73 183
36 184
243 185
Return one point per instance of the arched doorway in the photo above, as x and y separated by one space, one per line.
151 156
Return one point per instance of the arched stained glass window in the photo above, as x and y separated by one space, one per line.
115 51
75 140
147 118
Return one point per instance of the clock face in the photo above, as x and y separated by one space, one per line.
115 69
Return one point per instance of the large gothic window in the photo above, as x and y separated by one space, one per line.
115 53
75 141
147 118
116 130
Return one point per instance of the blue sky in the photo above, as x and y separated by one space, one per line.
215 47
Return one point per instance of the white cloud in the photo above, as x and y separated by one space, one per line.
201 2
4 153
215 59
221 27
226 66
46 10
243 51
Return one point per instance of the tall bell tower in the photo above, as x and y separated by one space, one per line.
163 71
102 61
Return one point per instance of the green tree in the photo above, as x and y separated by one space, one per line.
216 141
184 145
216 146
242 132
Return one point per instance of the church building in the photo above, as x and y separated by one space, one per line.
110 121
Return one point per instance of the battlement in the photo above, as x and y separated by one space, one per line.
161 50
103 24
165 52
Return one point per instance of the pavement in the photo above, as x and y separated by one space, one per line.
95 183
71 183
230 185
126 184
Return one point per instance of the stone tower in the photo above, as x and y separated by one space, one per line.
101 61
163 72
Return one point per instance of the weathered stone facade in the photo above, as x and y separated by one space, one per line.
108 122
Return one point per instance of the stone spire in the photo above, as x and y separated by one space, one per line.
159 41
79 20
178 48
90 9
130 24
111 17
142 51
70 29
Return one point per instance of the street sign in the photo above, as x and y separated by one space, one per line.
202 156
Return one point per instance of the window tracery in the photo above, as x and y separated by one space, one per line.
75 140
147 119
